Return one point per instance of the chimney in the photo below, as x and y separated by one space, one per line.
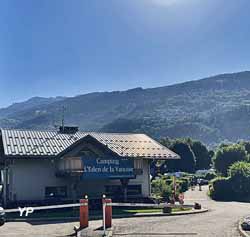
68 129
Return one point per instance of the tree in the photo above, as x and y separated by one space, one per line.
225 156
187 161
203 157
211 154
160 188
239 174
246 144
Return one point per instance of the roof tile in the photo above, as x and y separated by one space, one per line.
27 143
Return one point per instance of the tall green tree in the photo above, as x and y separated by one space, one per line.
187 161
203 158
225 156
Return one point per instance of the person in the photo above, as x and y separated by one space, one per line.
192 184
199 183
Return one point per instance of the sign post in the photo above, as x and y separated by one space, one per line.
104 215
107 213
181 198
84 213
174 184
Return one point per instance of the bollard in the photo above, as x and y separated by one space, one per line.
108 212
84 213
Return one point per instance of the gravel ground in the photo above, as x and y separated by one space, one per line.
220 221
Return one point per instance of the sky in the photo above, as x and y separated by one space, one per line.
71 47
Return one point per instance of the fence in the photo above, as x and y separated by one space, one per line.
107 210
83 210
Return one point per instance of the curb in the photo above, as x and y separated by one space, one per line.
242 232
89 232
162 214
114 216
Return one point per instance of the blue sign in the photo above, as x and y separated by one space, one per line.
110 167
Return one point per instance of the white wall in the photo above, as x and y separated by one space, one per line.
28 179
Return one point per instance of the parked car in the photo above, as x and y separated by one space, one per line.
2 216
202 181
245 225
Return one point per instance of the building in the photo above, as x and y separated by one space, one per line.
64 165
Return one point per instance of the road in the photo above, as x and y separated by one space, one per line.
23 229
220 221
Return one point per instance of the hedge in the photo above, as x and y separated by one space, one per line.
221 189
235 187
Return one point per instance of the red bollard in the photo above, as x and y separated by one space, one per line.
108 212
84 213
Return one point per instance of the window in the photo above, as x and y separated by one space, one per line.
56 192
70 164
134 190
112 190
138 164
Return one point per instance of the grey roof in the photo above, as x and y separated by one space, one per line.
30 143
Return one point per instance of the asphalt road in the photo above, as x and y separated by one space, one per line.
23 229
221 221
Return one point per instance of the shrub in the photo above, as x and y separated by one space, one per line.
169 181
221 189
236 186
239 174
161 189
183 185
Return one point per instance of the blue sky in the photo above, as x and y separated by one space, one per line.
70 47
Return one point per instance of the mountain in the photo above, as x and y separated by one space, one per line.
213 109
29 104
8 116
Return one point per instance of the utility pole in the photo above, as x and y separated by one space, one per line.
63 114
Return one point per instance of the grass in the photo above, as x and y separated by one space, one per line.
155 210
181 209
